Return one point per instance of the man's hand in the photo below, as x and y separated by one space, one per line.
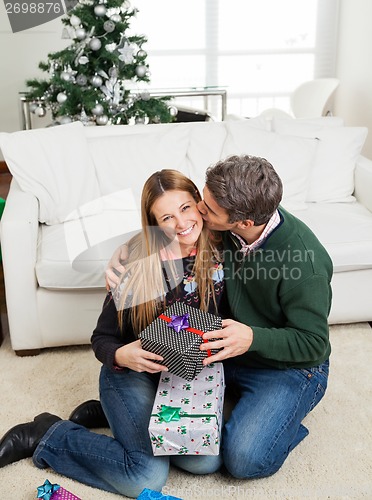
115 267
234 339
137 359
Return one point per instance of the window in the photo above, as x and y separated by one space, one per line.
259 50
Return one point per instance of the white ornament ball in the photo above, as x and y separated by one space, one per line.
98 109
61 97
83 60
81 80
145 96
100 10
102 120
141 120
95 44
75 20
141 54
173 111
113 72
40 111
33 107
80 33
96 81
116 18
109 26
65 119
141 71
65 76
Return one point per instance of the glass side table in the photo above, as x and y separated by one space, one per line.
205 92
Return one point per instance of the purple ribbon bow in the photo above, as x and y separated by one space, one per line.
179 323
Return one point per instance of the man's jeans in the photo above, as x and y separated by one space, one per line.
264 427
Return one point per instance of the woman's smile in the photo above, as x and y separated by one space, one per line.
186 232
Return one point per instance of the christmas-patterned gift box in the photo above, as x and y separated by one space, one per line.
49 491
186 418
177 335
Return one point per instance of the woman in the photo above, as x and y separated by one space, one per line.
172 259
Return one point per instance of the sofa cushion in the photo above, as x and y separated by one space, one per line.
205 148
54 165
345 229
75 254
125 156
332 174
291 157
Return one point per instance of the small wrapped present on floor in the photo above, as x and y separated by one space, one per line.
147 494
177 335
186 418
49 491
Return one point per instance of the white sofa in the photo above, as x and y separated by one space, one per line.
75 197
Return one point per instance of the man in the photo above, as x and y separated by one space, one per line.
275 346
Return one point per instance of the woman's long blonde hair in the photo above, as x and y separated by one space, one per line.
144 287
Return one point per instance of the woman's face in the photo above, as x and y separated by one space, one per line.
178 217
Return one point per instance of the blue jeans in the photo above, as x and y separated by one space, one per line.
123 463
265 425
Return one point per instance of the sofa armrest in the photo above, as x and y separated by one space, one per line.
19 235
363 182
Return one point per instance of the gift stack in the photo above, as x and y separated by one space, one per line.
177 335
187 413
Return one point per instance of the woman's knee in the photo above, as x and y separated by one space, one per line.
154 478
198 464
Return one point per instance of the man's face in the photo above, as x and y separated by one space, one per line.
215 217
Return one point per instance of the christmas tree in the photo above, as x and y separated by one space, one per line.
94 79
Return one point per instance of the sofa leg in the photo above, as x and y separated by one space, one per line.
370 323
28 352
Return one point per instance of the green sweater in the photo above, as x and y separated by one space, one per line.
282 291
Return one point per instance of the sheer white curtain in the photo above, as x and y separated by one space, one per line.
259 50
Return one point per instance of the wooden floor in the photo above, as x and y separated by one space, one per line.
4 189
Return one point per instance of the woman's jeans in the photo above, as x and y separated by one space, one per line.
265 425
124 464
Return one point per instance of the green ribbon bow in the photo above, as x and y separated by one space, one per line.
174 413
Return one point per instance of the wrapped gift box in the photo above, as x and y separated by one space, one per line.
147 494
177 335
49 491
186 417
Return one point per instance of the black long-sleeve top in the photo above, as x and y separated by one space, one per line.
107 337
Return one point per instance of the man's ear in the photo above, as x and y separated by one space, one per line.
245 224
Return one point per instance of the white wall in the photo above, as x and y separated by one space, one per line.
20 54
353 98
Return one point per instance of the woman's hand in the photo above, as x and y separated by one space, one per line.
115 266
137 359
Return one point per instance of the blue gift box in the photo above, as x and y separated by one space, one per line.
147 494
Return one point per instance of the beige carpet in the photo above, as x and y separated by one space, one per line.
333 462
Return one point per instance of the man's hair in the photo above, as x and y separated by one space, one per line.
247 187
